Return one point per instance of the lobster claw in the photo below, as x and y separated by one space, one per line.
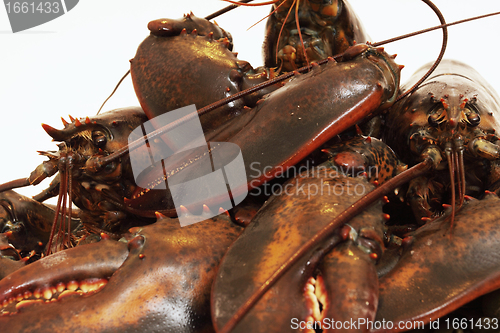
276 232
166 58
347 286
461 266
267 150
307 203
163 272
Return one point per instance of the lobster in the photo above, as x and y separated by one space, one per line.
238 129
468 119
427 253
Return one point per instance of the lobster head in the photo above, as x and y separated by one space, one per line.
107 131
302 31
452 118
96 137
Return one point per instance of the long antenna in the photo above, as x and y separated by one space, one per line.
441 53
225 10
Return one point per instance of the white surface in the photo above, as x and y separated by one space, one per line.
71 64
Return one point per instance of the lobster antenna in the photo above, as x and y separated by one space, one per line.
225 10
271 2
116 88
411 34
344 217
440 56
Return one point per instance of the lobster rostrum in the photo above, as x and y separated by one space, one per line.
369 242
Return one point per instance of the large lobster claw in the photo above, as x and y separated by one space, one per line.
442 270
346 93
276 232
307 203
161 283
182 68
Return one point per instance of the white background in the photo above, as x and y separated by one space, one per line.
71 64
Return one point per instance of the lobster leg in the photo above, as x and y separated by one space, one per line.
26 222
421 193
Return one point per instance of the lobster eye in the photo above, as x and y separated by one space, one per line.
99 139
434 119
110 167
473 119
